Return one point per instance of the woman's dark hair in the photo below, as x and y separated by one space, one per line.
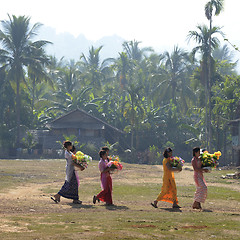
105 148
166 151
195 150
73 148
101 153
67 143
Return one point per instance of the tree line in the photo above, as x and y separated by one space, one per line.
179 98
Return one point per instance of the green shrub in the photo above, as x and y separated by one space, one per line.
91 150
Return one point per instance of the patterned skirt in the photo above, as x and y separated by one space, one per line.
70 189
201 192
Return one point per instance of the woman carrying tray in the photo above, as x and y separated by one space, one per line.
201 191
70 186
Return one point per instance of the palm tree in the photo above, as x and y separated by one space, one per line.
175 66
172 79
224 58
37 72
68 77
94 71
67 85
209 8
7 111
134 52
123 66
133 109
54 67
201 36
18 52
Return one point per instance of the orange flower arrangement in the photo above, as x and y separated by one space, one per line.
114 163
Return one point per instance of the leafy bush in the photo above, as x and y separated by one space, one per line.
29 141
90 149
112 147
155 156
169 144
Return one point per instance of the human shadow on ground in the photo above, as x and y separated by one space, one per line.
207 210
200 210
115 207
84 206
171 209
87 206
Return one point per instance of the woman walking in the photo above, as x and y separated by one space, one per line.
201 191
169 189
106 181
70 186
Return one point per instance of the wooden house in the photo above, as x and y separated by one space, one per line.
86 128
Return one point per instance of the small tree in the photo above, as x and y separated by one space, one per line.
29 141
112 147
72 138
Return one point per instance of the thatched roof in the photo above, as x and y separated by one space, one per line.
80 119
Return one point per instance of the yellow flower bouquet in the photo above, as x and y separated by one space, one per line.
210 160
81 159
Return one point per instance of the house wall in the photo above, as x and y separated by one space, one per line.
78 132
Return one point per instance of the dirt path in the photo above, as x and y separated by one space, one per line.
29 199
25 192
32 192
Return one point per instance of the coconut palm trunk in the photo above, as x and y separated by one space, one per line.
216 5
209 93
18 112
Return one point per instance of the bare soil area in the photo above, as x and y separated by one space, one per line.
32 197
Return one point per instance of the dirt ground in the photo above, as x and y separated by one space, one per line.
27 198
32 193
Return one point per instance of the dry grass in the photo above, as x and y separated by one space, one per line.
27 212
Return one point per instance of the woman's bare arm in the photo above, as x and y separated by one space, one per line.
78 166
173 169
196 168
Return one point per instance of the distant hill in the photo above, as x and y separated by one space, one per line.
70 47
65 44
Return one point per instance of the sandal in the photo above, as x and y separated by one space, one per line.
95 199
55 200
154 205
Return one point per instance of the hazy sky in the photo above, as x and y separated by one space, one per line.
156 23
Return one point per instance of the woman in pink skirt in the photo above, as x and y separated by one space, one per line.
106 181
201 192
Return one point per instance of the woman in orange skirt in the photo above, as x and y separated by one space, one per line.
169 189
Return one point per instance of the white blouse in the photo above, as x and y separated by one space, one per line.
69 166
